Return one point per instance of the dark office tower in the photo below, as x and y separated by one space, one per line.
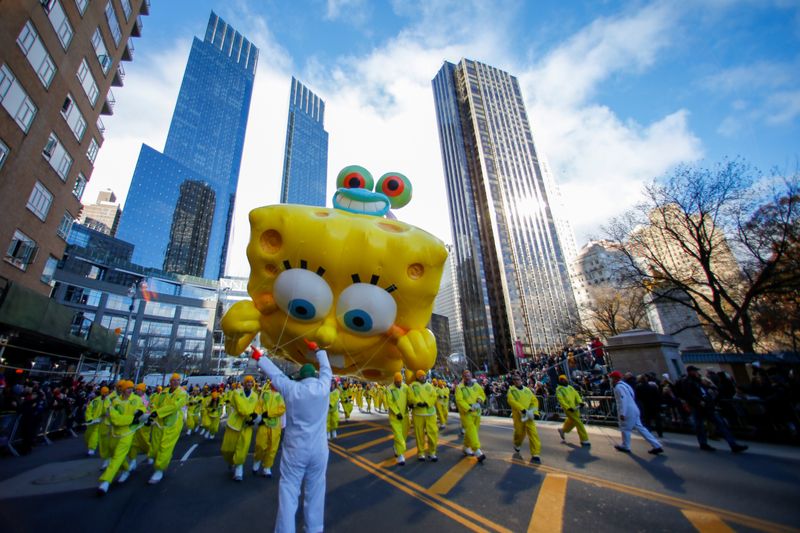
190 230
204 144
305 161
512 275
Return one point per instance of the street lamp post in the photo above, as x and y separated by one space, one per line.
126 342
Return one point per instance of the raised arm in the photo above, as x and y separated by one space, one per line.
275 374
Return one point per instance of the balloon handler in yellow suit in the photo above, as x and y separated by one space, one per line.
333 411
524 407
94 416
423 398
212 411
168 419
239 431
571 402
125 414
469 397
271 407
347 400
397 401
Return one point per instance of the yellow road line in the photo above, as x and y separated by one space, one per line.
445 483
548 514
370 444
359 432
706 522
441 504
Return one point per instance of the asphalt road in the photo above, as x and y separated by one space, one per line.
576 489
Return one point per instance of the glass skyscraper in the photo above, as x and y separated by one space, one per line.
513 279
305 161
204 146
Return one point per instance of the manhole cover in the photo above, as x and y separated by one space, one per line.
52 479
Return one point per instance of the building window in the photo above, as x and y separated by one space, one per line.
113 22
37 55
22 251
75 121
60 22
80 186
57 156
49 269
3 153
102 52
15 100
82 5
39 201
87 82
126 8
65 226
91 153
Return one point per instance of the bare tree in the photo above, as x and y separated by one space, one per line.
701 231
611 311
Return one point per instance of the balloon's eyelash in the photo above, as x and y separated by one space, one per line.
304 265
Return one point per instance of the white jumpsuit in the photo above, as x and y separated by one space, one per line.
626 406
305 445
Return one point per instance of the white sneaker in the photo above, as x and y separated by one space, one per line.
334 433
123 477
237 473
267 472
481 455
132 465
329 435
156 477
150 460
561 434
102 488
90 453
401 460
188 432
105 464
516 449
256 466
468 451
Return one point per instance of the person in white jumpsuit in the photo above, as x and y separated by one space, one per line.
629 420
305 444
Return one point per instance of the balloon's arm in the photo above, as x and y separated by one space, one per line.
240 326
418 347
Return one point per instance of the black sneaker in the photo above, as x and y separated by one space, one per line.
536 459
622 449
738 448
707 448
656 451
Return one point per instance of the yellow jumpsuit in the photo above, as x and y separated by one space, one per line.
122 429
93 416
104 432
239 434
368 396
347 402
155 430
270 406
170 423
523 399
204 420
570 401
359 394
424 417
212 411
193 412
333 410
442 404
466 396
397 403
141 439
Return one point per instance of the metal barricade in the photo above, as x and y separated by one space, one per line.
8 430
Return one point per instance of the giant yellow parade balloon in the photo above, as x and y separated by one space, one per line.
353 278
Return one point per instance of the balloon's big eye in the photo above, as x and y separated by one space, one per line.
302 294
366 309
396 187
354 177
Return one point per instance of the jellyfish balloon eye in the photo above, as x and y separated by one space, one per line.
396 187
354 177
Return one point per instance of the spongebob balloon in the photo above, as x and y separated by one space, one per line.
353 278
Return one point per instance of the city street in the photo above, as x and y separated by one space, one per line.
575 489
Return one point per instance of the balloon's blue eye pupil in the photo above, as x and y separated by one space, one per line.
302 309
358 320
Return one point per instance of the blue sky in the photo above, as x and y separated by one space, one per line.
618 92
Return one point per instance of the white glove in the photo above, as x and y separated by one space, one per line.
524 416
530 414
143 419
257 421
476 407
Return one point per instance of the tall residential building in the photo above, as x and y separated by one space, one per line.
58 60
305 160
103 215
598 264
204 145
513 279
